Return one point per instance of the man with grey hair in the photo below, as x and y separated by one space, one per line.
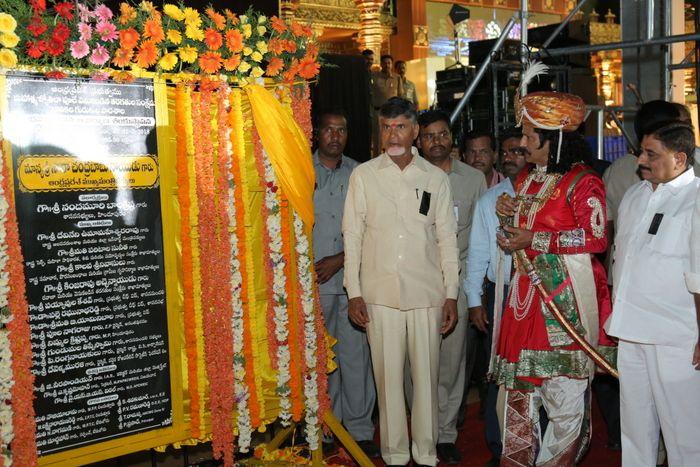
401 275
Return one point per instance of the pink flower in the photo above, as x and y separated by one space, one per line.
79 49
103 12
85 31
107 31
84 13
100 76
99 56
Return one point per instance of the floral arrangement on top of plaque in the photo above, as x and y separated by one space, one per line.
60 36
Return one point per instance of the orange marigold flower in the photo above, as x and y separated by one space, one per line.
216 18
274 66
308 67
231 16
278 24
147 55
234 40
275 46
210 62
213 39
122 57
290 46
128 38
153 30
231 63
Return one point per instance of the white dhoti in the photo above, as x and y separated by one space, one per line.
659 390
392 335
566 403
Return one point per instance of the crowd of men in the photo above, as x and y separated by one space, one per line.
429 266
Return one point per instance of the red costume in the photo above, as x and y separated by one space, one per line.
571 220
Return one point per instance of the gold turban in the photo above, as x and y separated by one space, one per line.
551 110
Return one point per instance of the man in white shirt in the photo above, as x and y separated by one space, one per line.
653 312
692 277
401 275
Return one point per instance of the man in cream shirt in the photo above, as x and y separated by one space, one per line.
401 275
653 311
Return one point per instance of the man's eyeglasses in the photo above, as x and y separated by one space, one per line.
430 137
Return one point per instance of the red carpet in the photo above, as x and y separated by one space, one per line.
472 445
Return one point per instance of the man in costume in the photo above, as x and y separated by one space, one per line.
351 386
401 275
654 314
558 294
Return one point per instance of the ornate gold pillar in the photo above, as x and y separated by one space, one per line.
370 34
411 38
288 9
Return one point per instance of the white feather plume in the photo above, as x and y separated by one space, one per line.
533 70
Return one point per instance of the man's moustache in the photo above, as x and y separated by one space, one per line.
644 167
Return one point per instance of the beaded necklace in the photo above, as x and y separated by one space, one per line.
528 206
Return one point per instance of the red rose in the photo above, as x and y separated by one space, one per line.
61 32
55 47
64 10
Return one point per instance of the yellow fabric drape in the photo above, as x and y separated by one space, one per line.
287 148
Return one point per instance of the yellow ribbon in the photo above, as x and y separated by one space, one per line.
288 150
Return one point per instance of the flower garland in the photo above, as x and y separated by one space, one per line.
248 380
6 379
201 382
15 327
301 109
239 290
216 312
183 188
310 341
277 268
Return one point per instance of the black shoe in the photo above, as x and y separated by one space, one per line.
369 448
448 453
493 462
329 448
614 445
